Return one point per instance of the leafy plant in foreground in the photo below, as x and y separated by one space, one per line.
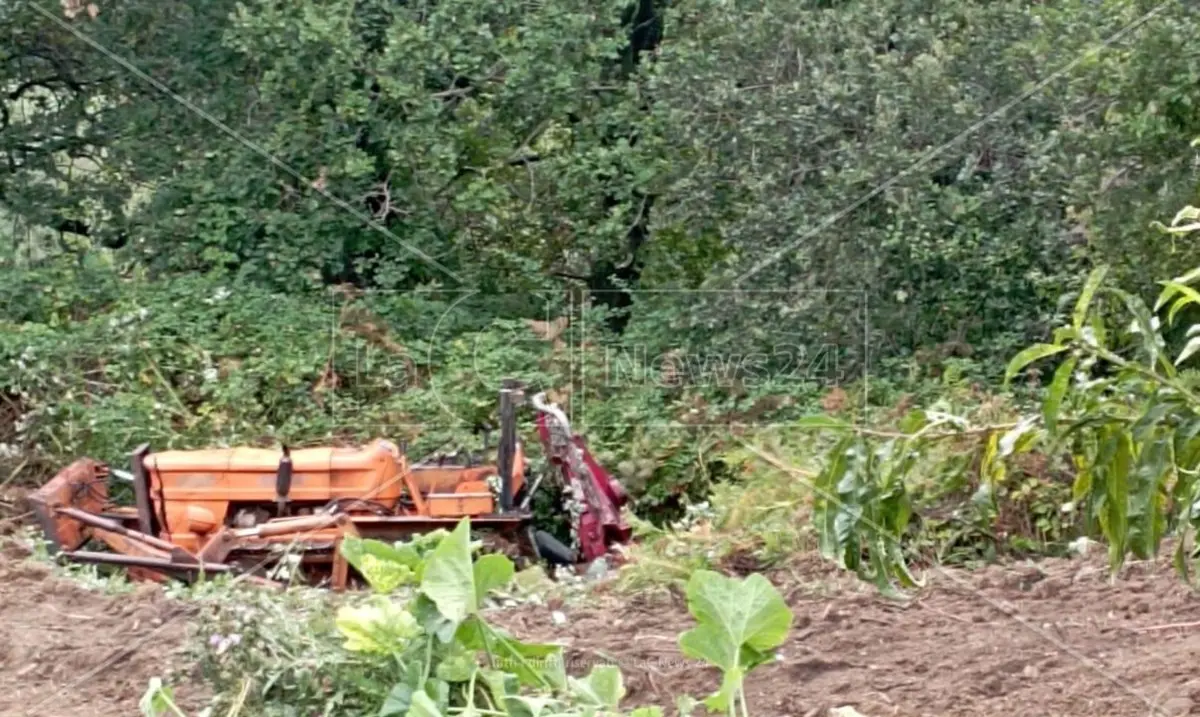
1133 430
739 623
423 629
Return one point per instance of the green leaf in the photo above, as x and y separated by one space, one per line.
449 578
536 664
685 705
1058 391
158 700
423 706
826 505
731 684
1028 356
1143 322
457 665
1180 560
1016 439
647 712
380 627
601 688
398 701
992 469
1147 519
523 706
1170 287
1189 296
491 572
738 622
1086 295
1115 519
384 567
501 684
1189 350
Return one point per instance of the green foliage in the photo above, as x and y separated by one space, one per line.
861 505
422 134
1134 422
739 623
426 648
158 701
498 162
1121 406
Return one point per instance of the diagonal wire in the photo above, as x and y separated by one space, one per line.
805 478
246 142
932 154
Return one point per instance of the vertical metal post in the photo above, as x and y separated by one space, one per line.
141 490
507 450
283 483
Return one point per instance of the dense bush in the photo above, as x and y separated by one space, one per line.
361 215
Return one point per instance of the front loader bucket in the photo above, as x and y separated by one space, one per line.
83 485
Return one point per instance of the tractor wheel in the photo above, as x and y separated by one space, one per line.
552 550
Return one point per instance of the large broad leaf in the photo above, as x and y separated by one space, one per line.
457 664
398 701
423 706
491 572
536 664
384 567
739 622
381 627
602 687
453 583
449 579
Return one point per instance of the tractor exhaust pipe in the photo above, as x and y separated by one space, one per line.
507 450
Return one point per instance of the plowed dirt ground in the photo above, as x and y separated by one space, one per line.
66 650
1057 639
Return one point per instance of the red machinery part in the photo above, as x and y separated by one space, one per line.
600 524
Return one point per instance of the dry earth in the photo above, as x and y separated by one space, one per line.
1057 639
67 650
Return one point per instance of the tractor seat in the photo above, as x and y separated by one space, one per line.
266 460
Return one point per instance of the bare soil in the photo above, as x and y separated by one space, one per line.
66 650
1056 639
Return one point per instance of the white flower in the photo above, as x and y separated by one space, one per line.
210 374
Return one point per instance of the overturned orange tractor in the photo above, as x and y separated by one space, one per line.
247 510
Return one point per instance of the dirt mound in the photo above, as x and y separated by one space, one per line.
67 650
1059 638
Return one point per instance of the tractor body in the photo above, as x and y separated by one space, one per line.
247 510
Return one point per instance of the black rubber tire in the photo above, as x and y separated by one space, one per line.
552 550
